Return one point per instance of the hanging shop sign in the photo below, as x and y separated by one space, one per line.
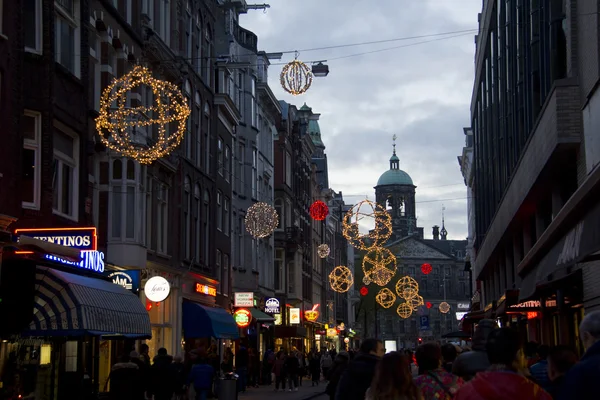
157 289
332 332
460 315
243 299
312 315
294 316
463 306
278 319
205 289
242 317
84 239
130 280
272 306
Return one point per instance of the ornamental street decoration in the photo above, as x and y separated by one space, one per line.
323 250
385 298
296 77
261 220
379 265
341 279
363 211
319 210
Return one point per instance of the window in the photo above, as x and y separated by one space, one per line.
198 45
162 22
208 56
71 356
219 212
95 70
198 154
218 270
220 156
227 163
291 278
187 90
254 105
187 216
162 218
254 173
65 176
279 209
240 180
197 219
123 209
149 212
31 160
279 261
66 31
240 240
206 221
32 25
190 30
225 282
207 138
288 169
226 216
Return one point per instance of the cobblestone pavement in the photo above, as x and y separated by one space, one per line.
306 391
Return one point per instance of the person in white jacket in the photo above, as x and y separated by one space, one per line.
326 363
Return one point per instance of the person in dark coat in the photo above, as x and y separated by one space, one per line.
162 376
292 366
180 376
339 366
470 363
125 381
581 382
201 376
145 354
241 368
357 377
135 358
449 354
560 360
314 367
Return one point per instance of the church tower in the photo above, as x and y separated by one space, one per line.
395 192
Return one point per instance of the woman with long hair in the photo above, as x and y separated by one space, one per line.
393 380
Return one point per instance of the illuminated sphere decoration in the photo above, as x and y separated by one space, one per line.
380 265
127 129
404 310
367 280
364 291
416 302
426 268
323 250
261 220
363 211
407 288
428 304
341 279
444 307
296 77
385 298
319 210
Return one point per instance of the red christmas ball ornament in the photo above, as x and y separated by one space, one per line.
426 268
319 210
429 305
364 291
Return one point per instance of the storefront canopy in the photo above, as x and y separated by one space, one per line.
203 322
260 316
74 305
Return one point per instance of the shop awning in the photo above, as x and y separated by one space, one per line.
260 316
74 305
203 322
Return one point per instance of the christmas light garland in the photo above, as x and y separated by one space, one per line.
404 310
318 210
385 298
416 302
444 307
376 236
341 279
379 265
407 287
323 250
261 220
296 77
117 121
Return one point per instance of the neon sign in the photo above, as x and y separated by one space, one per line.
242 317
312 315
90 260
205 289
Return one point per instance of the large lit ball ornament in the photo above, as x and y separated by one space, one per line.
341 279
416 302
407 288
380 265
444 307
364 291
117 122
404 310
426 268
296 77
385 298
319 210
261 220
375 237
323 250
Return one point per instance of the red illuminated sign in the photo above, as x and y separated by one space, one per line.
205 289
242 317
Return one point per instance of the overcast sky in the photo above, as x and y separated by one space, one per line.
421 93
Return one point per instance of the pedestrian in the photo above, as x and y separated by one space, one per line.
268 361
449 354
253 365
279 371
468 364
434 381
241 368
357 377
291 367
539 370
201 376
392 380
502 381
145 354
326 363
125 380
162 377
314 367
340 363
179 375
302 367
560 360
581 382
136 358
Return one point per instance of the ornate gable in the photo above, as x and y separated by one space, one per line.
414 248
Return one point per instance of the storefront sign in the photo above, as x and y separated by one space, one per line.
80 238
312 315
463 306
157 289
460 314
272 306
242 317
346 340
294 316
130 280
332 332
243 299
90 260
278 319
424 323
205 289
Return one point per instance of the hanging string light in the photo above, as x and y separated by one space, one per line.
117 121
385 298
296 77
323 250
407 288
404 310
261 220
444 307
380 265
341 279
319 210
375 237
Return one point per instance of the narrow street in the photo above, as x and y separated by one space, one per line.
305 392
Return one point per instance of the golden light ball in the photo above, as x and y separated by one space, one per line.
385 298
362 212
444 307
380 265
404 310
341 279
323 250
407 288
296 77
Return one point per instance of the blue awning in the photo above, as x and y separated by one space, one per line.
202 322
74 305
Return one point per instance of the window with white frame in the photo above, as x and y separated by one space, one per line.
206 223
67 35
198 130
254 173
254 104
162 20
187 138
65 180
279 209
226 216
219 211
207 138
227 163
220 156
32 25
149 211
123 204
162 219
187 216
240 92
31 159
225 279
288 213
218 270
208 56
278 272
197 226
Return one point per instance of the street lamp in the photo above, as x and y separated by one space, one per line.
320 70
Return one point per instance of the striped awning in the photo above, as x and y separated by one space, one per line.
73 305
